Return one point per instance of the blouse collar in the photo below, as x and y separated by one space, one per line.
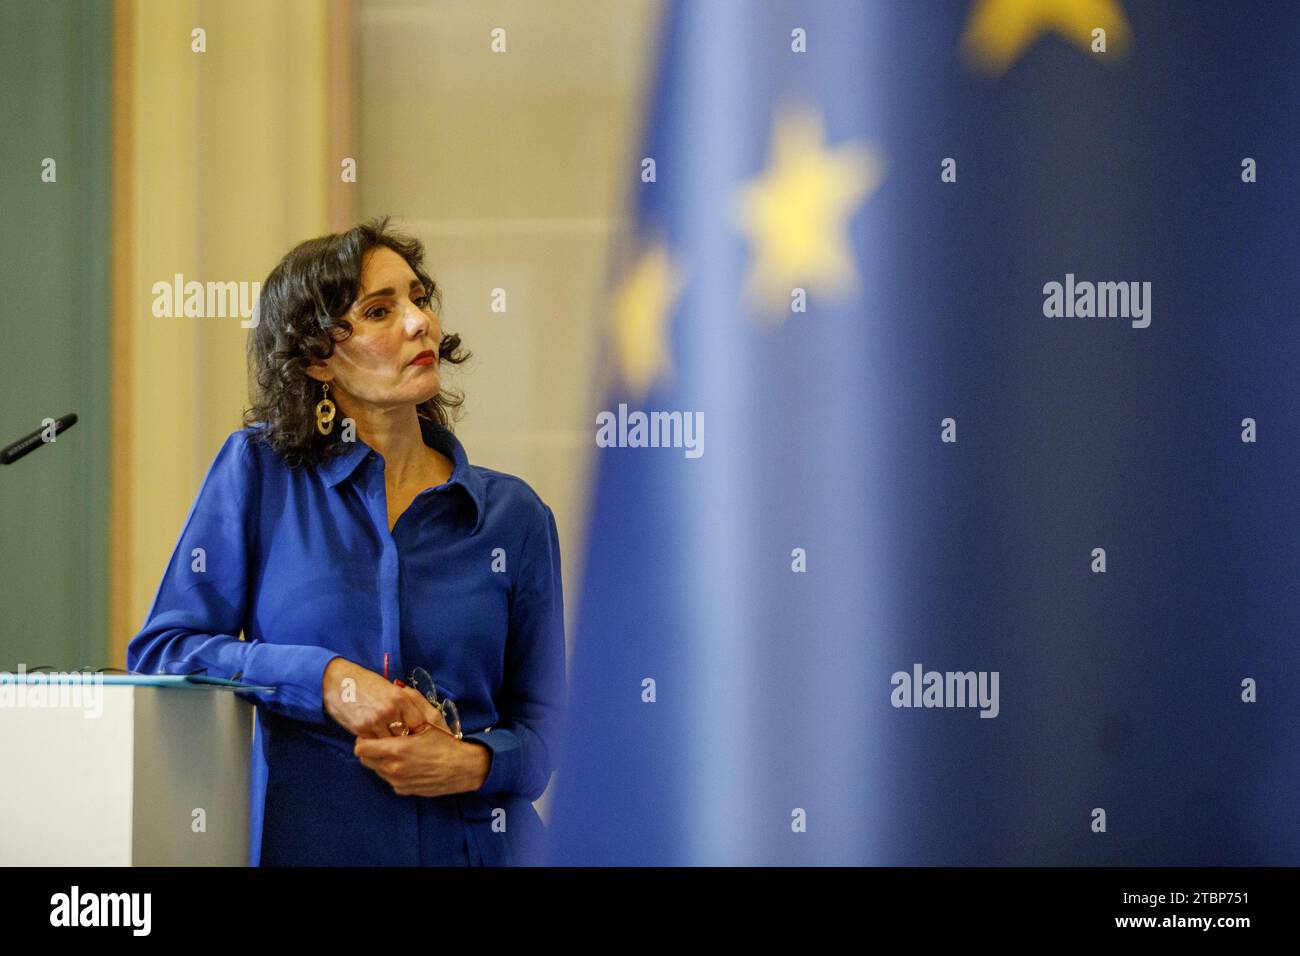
436 436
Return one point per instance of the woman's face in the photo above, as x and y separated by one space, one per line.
393 322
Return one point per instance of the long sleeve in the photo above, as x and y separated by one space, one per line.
525 740
202 603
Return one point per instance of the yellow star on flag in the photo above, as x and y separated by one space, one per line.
642 307
999 31
797 213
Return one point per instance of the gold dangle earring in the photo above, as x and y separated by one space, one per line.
325 411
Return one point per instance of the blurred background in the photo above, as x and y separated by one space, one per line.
824 226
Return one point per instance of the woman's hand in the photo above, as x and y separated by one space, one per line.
431 763
364 703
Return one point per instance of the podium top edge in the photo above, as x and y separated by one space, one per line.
137 680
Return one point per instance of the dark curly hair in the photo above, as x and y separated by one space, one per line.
301 312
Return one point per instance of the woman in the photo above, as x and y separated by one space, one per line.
345 532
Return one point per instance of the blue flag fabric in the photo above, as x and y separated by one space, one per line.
987 552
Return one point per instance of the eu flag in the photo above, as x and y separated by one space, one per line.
941 510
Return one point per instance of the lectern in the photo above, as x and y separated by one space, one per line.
124 771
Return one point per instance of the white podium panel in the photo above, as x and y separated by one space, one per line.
147 776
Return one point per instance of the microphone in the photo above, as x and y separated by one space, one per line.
24 445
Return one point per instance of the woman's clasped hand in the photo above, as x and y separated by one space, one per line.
428 762
365 704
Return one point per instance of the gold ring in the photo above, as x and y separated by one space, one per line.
404 730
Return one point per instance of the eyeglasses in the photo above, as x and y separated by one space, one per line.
423 682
